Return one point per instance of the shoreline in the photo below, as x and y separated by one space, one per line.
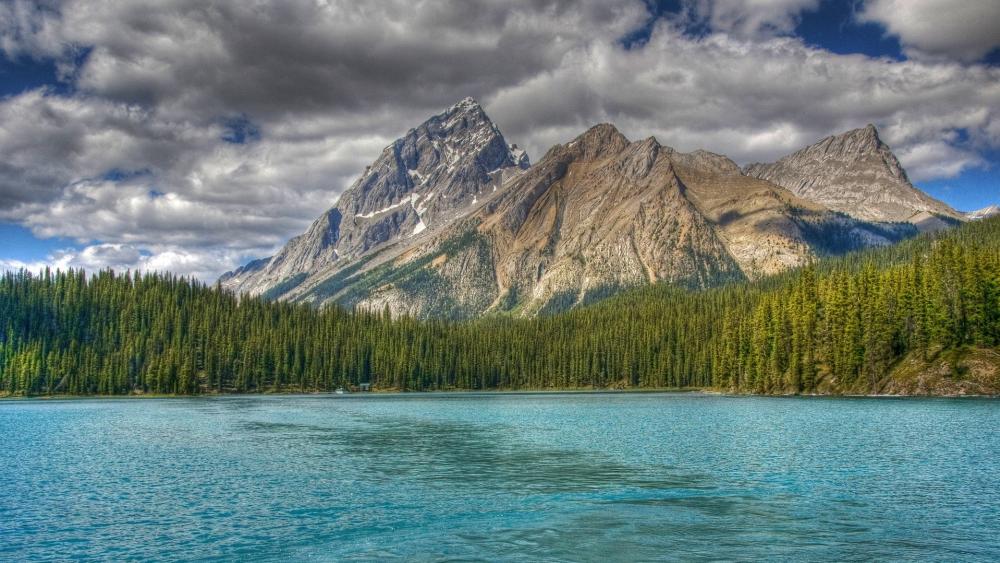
458 392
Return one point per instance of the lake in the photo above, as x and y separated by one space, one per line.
592 477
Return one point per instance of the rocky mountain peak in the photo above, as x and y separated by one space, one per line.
857 144
467 103
450 220
854 173
434 174
520 157
442 164
705 162
986 212
600 140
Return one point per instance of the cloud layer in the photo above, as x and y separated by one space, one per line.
939 29
138 162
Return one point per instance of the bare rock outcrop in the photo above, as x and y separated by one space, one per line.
857 174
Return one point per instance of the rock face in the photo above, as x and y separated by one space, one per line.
988 211
427 178
595 215
451 222
857 174
766 228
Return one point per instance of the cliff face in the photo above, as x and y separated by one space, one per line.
857 174
450 221
598 214
766 228
594 216
425 179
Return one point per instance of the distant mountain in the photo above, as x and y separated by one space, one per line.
598 215
450 221
593 216
430 176
857 174
988 211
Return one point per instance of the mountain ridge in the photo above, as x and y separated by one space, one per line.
983 213
595 215
418 181
855 173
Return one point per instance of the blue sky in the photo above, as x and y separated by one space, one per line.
192 138
20 244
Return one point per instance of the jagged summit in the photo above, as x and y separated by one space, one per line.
466 103
452 221
856 143
854 173
597 215
603 138
986 212
421 181
520 157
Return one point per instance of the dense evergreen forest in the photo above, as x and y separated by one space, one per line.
840 325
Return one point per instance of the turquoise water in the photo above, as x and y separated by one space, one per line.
501 477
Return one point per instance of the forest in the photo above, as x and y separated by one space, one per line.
839 325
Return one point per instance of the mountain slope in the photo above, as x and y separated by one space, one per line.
599 213
451 222
420 181
857 174
766 228
594 216
920 318
984 213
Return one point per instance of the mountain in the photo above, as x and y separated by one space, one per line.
765 227
857 174
595 216
428 177
451 222
988 211
918 318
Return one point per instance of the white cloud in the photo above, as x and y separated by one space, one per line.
28 27
202 265
752 100
965 30
34 266
936 159
752 18
134 161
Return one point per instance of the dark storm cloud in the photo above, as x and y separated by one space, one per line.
247 119
299 57
49 141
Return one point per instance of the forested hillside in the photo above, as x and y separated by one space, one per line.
865 323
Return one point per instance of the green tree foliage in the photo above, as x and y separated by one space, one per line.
838 325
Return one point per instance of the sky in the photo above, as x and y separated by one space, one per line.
192 136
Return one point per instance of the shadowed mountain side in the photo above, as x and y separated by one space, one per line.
857 174
451 222
421 181
597 215
767 229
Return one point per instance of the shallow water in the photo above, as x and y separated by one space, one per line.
501 476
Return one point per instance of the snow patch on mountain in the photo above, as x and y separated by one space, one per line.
988 211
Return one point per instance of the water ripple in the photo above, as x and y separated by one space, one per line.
500 477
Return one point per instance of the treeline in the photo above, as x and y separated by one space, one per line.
837 326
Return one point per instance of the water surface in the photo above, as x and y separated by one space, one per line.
500 477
